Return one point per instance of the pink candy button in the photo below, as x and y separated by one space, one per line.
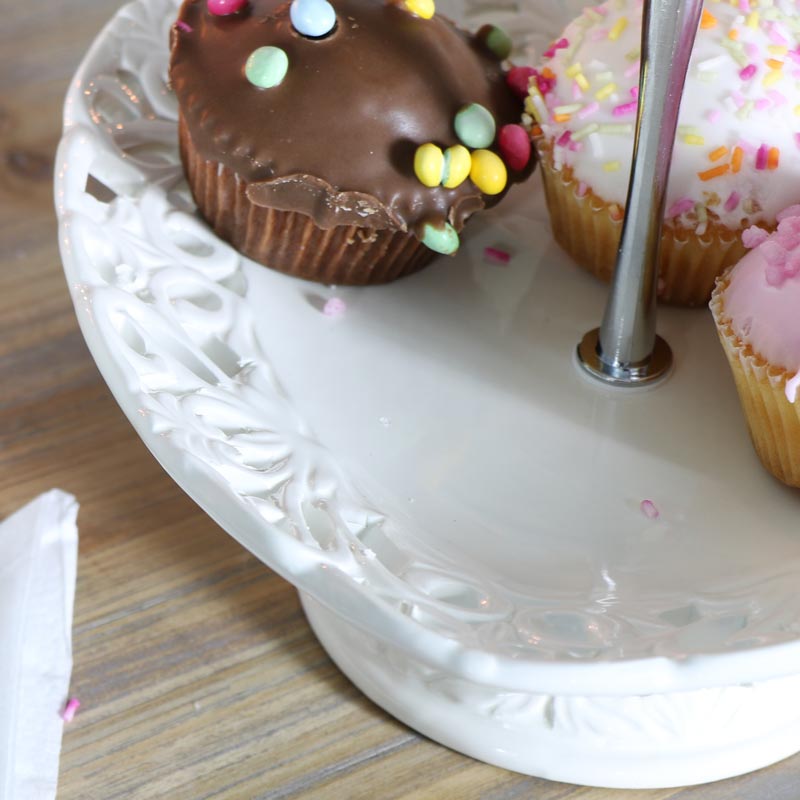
222 8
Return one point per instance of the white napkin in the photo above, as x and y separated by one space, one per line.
38 561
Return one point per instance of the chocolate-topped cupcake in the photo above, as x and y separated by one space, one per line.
321 139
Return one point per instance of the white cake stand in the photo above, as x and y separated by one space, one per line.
459 507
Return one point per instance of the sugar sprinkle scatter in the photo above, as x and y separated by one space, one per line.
761 296
781 251
740 120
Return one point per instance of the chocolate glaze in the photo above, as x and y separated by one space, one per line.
336 139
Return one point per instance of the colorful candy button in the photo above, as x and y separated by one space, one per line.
519 80
312 18
222 8
420 8
457 166
267 67
450 169
488 172
496 41
475 126
428 164
441 238
515 146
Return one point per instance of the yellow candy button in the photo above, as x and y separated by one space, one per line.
457 165
428 164
488 172
422 8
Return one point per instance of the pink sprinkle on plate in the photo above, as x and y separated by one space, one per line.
496 255
649 509
334 307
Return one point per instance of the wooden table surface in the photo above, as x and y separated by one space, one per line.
196 670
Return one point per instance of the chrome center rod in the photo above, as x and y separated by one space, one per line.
625 350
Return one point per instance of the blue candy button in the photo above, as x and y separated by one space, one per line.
313 18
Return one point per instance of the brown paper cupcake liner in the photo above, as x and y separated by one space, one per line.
589 229
773 421
291 242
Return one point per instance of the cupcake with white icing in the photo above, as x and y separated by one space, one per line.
737 151
756 306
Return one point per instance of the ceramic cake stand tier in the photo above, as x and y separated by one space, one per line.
458 506
633 741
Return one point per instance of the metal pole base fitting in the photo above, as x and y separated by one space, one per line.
645 373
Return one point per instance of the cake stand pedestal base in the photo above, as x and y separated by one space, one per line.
623 742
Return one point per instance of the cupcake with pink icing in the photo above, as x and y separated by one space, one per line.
737 150
756 306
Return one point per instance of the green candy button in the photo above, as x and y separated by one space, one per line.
498 41
267 67
475 126
441 239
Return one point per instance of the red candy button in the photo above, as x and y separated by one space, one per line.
515 146
518 79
